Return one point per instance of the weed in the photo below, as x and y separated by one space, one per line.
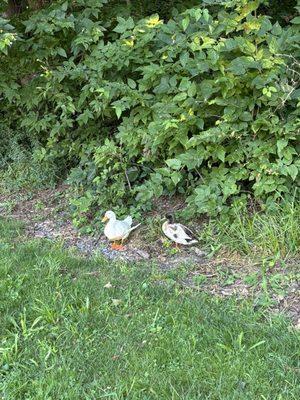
200 279
8 206
39 205
271 235
153 230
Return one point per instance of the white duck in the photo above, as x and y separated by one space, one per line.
116 230
178 233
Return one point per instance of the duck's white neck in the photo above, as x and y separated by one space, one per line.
112 219
165 225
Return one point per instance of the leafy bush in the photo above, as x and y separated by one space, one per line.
205 104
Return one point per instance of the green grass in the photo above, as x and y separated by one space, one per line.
262 234
64 335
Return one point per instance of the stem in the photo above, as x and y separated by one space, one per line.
128 181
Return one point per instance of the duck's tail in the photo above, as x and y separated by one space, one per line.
194 241
133 228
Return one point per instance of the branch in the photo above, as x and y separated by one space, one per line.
128 181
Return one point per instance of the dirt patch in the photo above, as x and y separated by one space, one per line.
45 216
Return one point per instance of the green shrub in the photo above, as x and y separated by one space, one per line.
205 104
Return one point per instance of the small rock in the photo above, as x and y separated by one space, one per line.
143 254
116 302
200 253
227 291
244 291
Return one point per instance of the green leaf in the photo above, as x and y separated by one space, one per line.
64 6
185 22
220 152
192 90
292 171
273 46
281 144
118 111
276 30
174 163
62 52
176 177
248 8
184 84
131 83
206 15
197 14
237 67
179 97
207 89
296 21
246 116
229 189
124 25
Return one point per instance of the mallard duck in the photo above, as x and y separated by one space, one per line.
116 230
178 233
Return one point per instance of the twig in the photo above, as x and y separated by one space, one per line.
291 69
286 98
128 181
296 62
288 95
92 273
289 56
200 176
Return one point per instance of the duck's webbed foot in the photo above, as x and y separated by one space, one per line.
176 246
117 247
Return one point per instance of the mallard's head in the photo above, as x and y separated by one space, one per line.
170 218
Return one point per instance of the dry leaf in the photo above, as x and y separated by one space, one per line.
108 285
116 302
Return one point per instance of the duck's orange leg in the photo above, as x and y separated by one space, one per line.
176 246
117 247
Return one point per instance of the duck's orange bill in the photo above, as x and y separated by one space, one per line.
104 219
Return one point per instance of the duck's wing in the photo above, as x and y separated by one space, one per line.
119 230
185 235
184 232
188 232
128 221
